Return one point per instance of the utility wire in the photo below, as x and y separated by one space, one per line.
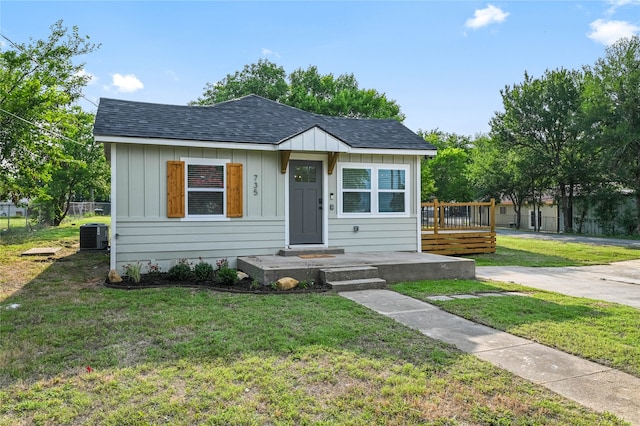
17 46
41 128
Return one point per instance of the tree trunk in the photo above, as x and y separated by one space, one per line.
566 209
60 213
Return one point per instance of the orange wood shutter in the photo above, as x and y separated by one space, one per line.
175 188
234 190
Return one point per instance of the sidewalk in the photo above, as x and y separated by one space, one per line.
592 385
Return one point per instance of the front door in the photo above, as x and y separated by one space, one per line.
305 202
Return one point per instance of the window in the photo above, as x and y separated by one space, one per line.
204 188
503 210
373 189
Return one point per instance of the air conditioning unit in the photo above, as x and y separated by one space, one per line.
94 236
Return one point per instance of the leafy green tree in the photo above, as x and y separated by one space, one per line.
304 89
500 173
264 79
612 99
446 176
79 173
449 170
543 118
38 83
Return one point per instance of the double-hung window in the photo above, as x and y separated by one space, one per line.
205 187
373 189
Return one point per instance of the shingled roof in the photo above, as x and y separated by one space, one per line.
250 119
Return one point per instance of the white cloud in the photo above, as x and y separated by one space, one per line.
126 83
91 79
608 32
615 4
269 52
487 16
172 75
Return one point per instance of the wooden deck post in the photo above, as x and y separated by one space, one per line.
492 215
436 216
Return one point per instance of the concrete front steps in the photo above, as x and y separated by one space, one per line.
352 278
392 267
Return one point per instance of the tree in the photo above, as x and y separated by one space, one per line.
446 177
612 99
305 89
79 173
543 117
264 79
38 83
500 173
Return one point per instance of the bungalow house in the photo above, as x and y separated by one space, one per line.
251 177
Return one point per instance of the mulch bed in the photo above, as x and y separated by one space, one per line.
245 285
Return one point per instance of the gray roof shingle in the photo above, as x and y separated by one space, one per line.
250 119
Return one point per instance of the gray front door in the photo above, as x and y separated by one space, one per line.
305 202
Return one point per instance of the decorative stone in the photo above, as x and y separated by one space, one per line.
286 283
242 275
114 277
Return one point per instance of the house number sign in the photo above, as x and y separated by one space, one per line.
255 185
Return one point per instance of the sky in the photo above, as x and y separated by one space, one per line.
443 62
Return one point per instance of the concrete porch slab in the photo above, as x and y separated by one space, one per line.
393 267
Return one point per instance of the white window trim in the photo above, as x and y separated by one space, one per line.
374 191
205 162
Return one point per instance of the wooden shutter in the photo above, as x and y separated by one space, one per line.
175 189
234 190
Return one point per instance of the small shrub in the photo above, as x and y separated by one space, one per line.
203 271
255 285
133 271
304 284
181 271
226 276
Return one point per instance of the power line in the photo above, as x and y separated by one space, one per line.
39 127
17 46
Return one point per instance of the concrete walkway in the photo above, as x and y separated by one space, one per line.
592 385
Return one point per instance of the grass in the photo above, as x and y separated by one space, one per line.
186 356
513 251
16 270
603 332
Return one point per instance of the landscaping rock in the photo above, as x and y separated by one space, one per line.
242 275
286 283
114 277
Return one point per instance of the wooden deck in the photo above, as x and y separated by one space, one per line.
459 228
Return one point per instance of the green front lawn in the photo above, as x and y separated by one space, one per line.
514 251
603 332
187 356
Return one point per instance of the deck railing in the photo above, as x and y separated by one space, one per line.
459 228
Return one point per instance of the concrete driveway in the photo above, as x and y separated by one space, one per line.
618 282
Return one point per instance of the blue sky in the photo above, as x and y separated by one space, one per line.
444 62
